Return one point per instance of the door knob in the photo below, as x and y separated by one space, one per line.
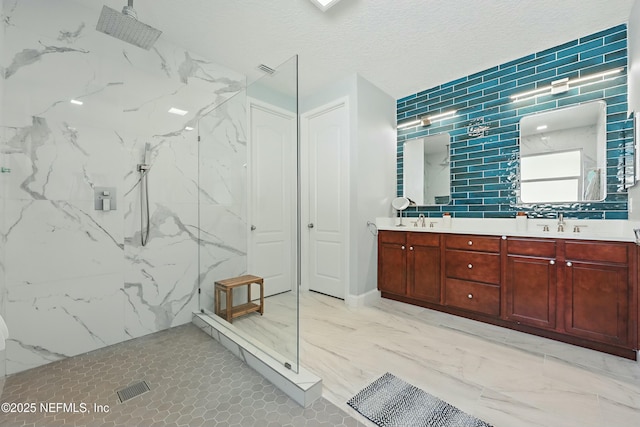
253 227
310 225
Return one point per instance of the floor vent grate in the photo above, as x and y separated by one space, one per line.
133 391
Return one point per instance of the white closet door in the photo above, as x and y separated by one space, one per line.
325 137
272 207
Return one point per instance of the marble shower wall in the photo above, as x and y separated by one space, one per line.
223 196
75 278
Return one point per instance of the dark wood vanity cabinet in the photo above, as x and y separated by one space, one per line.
598 291
531 271
409 264
578 291
392 262
423 267
472 273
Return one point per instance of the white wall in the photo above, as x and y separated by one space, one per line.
77 279
375 172
372 169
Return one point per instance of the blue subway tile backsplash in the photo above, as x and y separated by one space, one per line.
483 168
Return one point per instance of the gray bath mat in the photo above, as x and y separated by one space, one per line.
389 401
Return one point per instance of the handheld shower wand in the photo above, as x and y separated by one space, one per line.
143 169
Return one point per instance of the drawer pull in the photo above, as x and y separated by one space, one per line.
569 263
469 243
403 248
552 262
410 248
470 296
470 265
504 237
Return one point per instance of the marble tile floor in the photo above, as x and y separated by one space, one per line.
194 382
506 378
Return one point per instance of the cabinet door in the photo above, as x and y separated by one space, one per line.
597 301
424 272
392 268
531 291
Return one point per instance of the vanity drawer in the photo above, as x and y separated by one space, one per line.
424 239
392 237
476 266
531 247
473 243
597 251
473 296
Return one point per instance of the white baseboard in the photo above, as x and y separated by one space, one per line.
368 298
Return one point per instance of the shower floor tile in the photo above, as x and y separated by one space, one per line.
194 381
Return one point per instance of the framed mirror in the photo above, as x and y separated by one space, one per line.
563 155
426 170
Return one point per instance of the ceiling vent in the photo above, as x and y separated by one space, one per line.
266 69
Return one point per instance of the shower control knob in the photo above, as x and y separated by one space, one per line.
253 227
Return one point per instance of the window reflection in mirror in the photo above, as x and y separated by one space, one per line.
563 155
426 170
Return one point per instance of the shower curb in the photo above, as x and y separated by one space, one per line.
303 387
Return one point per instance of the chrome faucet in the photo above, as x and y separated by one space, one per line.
561 222
421 219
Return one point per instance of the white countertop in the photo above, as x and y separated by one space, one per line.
594 229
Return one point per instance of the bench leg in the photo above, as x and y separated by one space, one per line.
229 304
261 298
217 301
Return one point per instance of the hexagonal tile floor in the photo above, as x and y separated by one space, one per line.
194 382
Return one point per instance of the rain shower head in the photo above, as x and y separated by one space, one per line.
126 27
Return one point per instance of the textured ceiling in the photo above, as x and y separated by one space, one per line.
402 46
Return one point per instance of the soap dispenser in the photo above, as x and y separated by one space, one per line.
446 220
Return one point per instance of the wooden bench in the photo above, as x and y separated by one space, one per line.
227 285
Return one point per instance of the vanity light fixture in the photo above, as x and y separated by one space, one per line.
408 124
324 5
177 111
427 120
562 85
76 102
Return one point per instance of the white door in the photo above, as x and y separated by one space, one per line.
325 143
272 199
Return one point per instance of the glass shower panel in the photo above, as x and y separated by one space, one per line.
248 160
222 195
